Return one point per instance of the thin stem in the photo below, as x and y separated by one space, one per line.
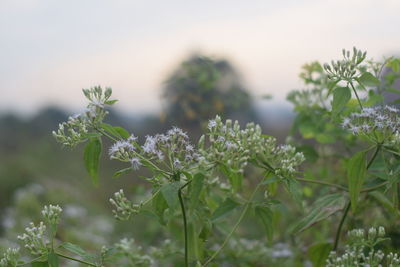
372 188
339 230
355 92
346 210
234 227
322 183
77 260
184 222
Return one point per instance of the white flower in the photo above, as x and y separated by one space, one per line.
135 163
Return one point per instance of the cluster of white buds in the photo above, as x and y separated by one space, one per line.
393 260
354 254
35 239
345 69
370 121
134 253
172 148
10 258
52 214
226 145
124 208
73 131
76 129
234 147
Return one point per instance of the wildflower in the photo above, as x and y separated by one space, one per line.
34 239
124 208
52 214
10 258
135 163
212 124
384 119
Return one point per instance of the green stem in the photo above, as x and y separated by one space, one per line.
355 92
234 227
339 230
77 260
184 222
346 210
322 183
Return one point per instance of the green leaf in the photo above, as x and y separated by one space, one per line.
77 250
123 171
266 216
318 253
159 206
320 210
356 171
294 189
341 97
113 130
368 79
53 260
385 202
122 132
226 207
170 193
91 157
195 189
40 264
110 102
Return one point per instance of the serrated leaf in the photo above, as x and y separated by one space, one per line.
318 253
91 156
115 131
77 250
224 209
123 171
356 171
170 193
53 260
266 216
341 96
368 79
294 189
320 210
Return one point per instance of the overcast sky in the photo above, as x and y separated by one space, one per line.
50 49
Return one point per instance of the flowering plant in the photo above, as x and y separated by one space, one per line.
196 185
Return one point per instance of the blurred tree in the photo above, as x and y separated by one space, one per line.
202 87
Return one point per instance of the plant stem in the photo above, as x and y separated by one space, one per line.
184 222
234 227
77 260
355 92
339 230
347 208
322 183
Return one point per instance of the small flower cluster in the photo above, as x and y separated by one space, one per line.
354 254
172 148
370 121
76 129
35 239
51 214
346 68
124 208
234 147
133 253
10 258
